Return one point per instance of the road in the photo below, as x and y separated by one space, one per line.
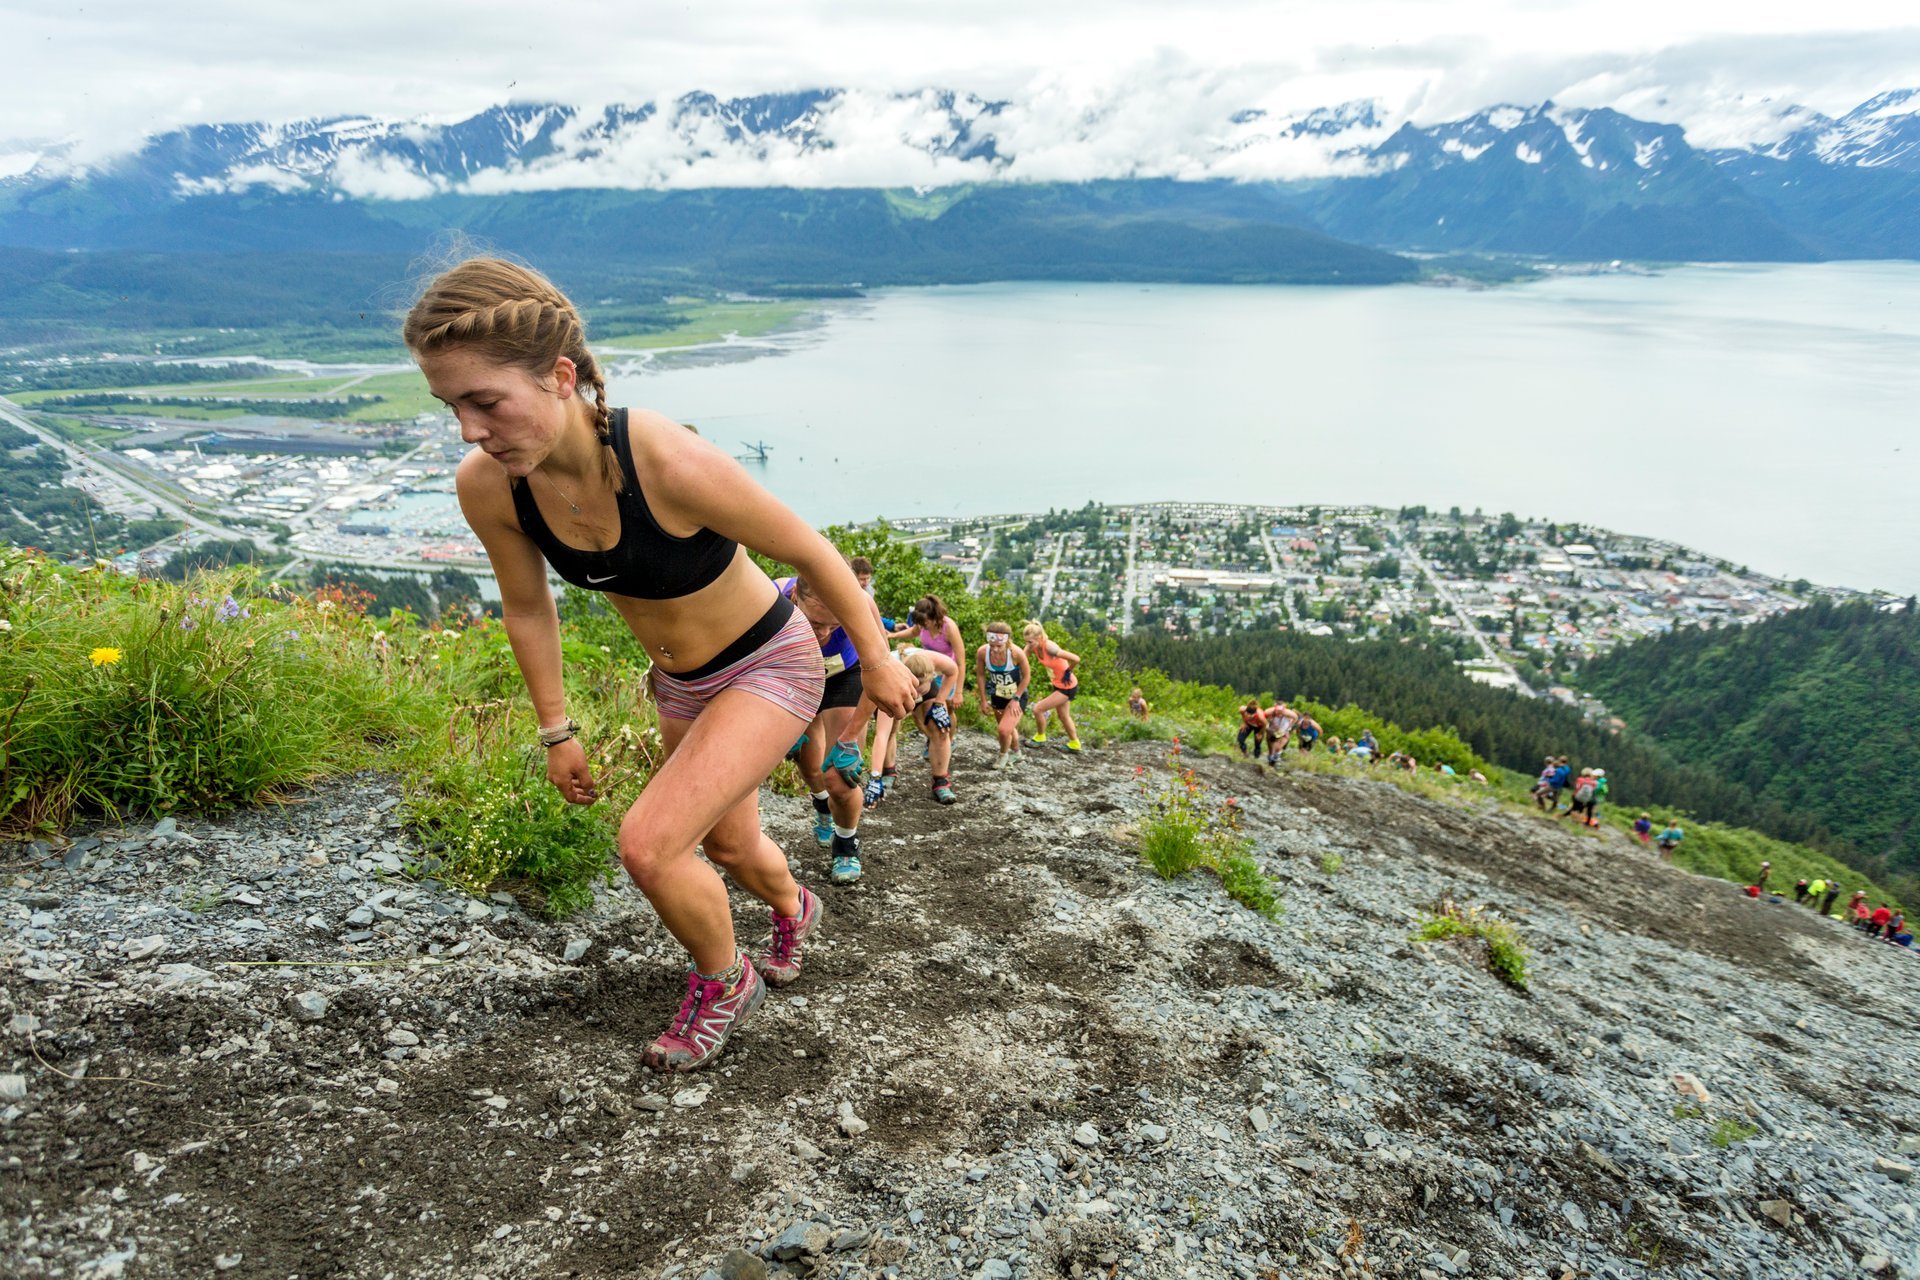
113 473
1053 575
1126 583
1459 611
1286 592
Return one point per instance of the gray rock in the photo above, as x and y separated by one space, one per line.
1153 1133
13 1087
308 1006
738 1264
181 975
360 917
575 949
141 948
798 1240
806 1150
403 1038
850 1124
1875 1263
1573 1214
995 1269
1781 1211
1895 1169
651 1102
1909 1146
1259 1119
1086 1135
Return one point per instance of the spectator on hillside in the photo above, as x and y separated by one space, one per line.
1800 890
1897 929
1669 840
1477 776
1877 922
1766 874
1137 704
1857 913
1368 741
1562 779
1643 828
1586 792
1816 890
1855 906
1600 787
862 573
1543 785
1833 892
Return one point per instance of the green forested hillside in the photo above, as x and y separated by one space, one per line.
1419 688
1816 711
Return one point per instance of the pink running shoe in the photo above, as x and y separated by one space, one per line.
780 964
707 1017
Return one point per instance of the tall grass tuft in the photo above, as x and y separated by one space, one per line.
1506 952
132 698
139 697
1188 831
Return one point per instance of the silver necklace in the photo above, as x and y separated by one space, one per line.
571 504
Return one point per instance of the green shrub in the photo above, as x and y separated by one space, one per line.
1506 953
132 697
1187 831
1727 1130
518 827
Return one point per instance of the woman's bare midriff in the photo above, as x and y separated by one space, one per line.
684 633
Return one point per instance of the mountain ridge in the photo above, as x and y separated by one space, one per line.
1544 180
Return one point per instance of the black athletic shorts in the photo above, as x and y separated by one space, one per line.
1069 694
843 689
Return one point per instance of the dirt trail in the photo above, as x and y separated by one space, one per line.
1005 982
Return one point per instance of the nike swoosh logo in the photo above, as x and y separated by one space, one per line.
609 578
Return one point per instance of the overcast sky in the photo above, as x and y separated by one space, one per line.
103 73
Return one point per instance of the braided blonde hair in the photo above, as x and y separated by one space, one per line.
515 316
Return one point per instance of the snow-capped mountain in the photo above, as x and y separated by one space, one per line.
1540 179
831 138
1883 132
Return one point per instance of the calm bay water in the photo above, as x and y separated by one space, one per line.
1770 415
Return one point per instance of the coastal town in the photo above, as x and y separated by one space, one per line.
1512 600
1509 598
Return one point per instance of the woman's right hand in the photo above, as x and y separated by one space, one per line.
891 687
567 771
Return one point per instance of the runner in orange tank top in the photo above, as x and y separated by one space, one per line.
1060 664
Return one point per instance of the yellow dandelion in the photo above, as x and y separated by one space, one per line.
104 657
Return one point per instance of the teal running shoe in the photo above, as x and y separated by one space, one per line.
846 860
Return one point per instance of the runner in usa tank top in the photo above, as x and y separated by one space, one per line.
647 563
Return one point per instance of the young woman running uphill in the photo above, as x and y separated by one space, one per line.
638 507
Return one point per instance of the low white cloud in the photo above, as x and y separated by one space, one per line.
368 175
1096 88
242 178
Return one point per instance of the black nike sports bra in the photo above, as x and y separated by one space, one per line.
647 563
